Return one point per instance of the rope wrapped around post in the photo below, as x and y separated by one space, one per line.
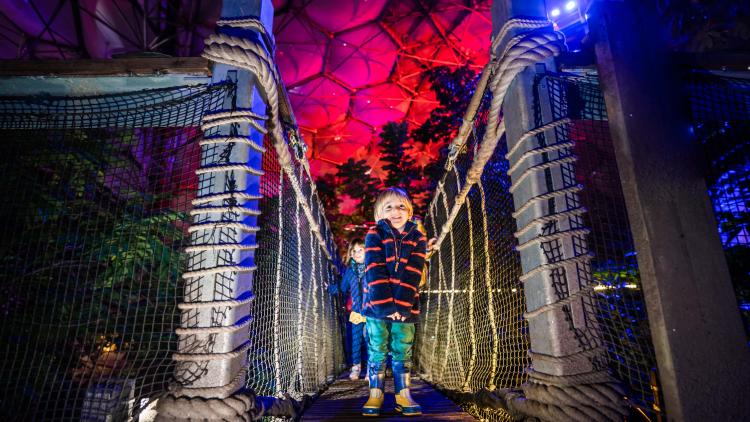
231 402
594 396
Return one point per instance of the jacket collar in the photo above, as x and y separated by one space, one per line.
386 225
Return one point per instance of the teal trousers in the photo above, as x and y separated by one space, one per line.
381 334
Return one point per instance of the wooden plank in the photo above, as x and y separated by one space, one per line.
344 399
135 66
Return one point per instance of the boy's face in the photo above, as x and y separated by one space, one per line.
397 212
358 254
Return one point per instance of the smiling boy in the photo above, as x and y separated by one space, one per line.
394 259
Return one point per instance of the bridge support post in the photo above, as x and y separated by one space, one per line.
568 359
213 337
700 345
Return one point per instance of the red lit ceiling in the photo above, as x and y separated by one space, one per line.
350 65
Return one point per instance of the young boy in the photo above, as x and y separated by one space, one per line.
394 259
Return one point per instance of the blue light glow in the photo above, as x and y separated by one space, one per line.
570 6
555 13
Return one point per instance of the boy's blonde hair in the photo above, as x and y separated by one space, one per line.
350 249
392 193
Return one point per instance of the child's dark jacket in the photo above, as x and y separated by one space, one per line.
352 282
393 269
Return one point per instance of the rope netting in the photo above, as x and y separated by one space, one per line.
98 191
296 343
720 111
474 334
100 248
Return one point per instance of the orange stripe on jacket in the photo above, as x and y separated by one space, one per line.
402 303
387 240
412 269
390 259
374 248
415 311
381 281
404 260
421 255
407 285
378 302
373 265
409 242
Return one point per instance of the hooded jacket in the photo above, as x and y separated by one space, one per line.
393 269
352 282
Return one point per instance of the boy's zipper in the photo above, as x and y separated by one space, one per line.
397 243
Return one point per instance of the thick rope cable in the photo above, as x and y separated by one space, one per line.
233 140
528 50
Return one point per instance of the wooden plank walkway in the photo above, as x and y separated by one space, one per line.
344 399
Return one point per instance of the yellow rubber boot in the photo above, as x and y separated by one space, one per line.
376 376
405 404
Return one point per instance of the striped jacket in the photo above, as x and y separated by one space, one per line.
393 270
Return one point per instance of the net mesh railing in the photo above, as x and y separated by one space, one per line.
99 193
297 344
473 334
720 112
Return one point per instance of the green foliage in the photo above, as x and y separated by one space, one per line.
400 166
95 253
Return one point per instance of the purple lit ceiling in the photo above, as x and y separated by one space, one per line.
349 65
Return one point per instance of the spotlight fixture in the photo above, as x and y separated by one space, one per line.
554 12
570 6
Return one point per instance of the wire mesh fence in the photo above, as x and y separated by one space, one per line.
98 190
720 112
297 330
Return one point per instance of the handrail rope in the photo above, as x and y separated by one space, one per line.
547 218
545 196
215 303
220 246
532 133
553 236
218 270
219 329
557 264
536 151
204 357
527 50
232 140
221 210
539 167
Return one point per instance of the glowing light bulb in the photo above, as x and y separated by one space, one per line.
570 6
555 13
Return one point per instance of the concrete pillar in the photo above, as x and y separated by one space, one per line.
213 339
701 350
554 333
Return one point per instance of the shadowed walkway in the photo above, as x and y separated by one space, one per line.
344 399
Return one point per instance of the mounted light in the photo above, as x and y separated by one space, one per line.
555 12
570 6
